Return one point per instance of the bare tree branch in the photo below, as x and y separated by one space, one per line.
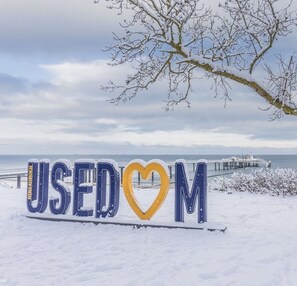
171 39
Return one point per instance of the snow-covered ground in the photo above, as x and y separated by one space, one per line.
259 247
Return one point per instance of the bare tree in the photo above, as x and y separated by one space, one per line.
173 39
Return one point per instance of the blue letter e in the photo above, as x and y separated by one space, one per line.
81 187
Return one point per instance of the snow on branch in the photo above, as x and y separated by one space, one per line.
172 39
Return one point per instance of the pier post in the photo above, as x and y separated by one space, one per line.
19 181
122 171
89 176
170 171
94 175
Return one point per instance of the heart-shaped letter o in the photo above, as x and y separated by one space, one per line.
145 171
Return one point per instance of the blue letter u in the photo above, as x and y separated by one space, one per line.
37 189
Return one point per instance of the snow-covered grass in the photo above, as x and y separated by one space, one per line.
278 182
258 249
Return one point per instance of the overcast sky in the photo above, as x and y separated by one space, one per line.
51 68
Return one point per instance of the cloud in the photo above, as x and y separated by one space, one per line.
31 137
59 30
69 28
10 84
69 111
51 102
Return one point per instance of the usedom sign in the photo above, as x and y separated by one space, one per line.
69 198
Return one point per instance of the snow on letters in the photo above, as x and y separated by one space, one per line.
106 182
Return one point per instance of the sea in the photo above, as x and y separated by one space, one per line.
18 163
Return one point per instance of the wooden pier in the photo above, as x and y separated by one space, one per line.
237 163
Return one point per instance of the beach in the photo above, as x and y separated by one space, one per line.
258 247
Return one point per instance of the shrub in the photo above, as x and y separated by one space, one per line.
278 182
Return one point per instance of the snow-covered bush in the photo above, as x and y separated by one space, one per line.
278 182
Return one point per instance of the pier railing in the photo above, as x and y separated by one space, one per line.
219 165
15 176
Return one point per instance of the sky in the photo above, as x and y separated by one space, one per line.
51 69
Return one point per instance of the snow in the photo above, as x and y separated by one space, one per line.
111 162
66 162
33 161
259 247
276 182
85 161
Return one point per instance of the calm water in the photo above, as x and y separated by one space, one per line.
11 163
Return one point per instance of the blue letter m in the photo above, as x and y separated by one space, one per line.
184 197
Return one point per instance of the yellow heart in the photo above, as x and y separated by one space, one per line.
145 172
